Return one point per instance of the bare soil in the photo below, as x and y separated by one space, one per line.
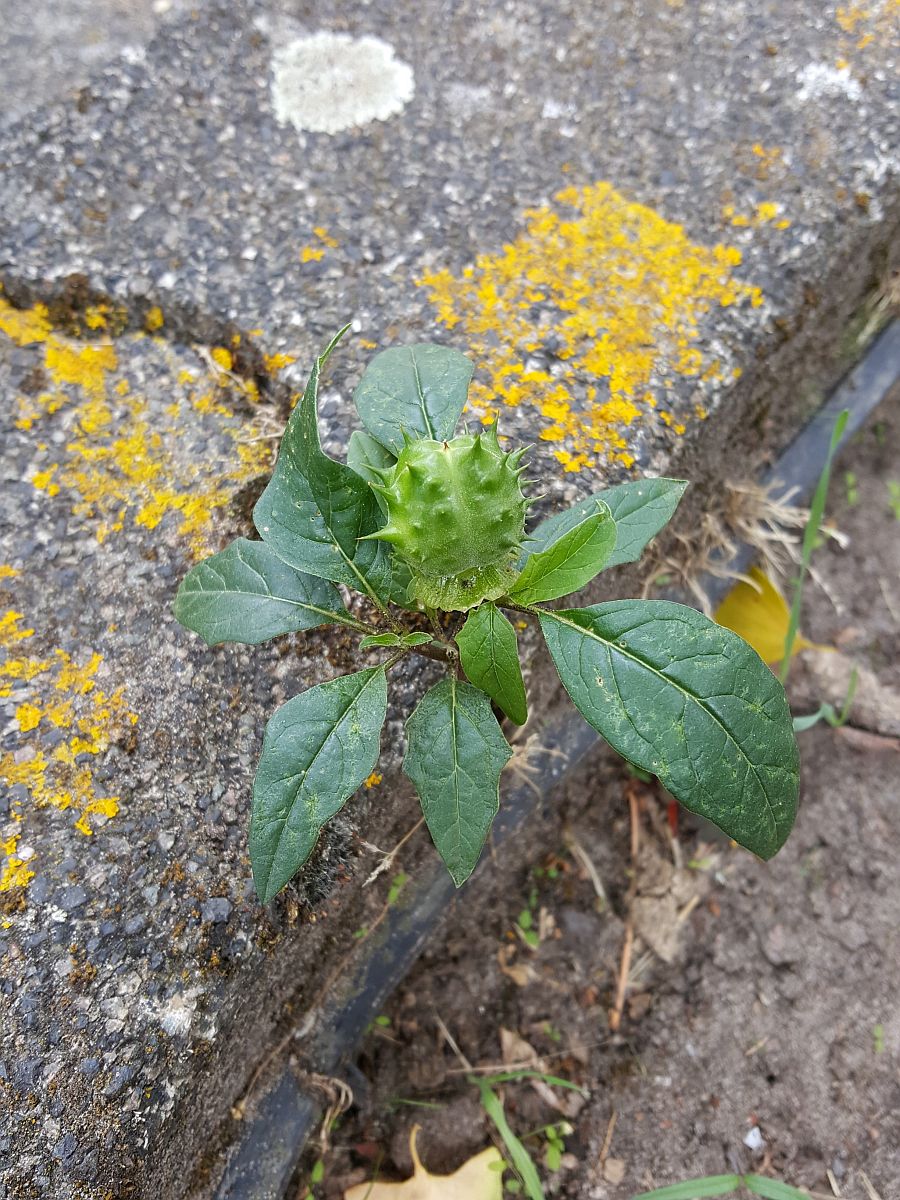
761 1022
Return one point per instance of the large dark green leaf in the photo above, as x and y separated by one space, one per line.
420 390
690 702
247 594
317 750
314 509
489 654
640 509
570 561
455 753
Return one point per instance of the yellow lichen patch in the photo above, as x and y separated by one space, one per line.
10 631
43 481
315 251
848 17
277 362
55 691
154 319
14 871
121 463
767 212
7 572
868 24
616 292
104 806
84 366
374 779
223 357
25 326
97 316
766 159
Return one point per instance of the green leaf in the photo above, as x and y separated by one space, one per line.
689 701
394 639
640 509
419 390
247 594
314 510
826 711
455 753
380 639
416 639
570 561
317 750
553 1080
521 1160
695 1189
489 654
772 1189
366 457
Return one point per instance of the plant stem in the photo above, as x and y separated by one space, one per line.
443 654
435 625
395 625
530 610
359 626
810 535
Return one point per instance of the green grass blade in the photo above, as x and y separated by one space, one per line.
825 711
520 1157
801 724
837 722
810 534
515 1076
694 1189
772 1189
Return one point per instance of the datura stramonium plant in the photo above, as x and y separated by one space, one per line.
423 523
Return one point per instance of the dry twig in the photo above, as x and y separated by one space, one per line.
607 1141
867 1184
389 855
581 856
615 1016
451 1042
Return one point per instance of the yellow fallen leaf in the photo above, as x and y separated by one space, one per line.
759 613
478 1179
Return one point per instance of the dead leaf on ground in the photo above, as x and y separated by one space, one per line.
520 973
663 891
614 1170
758 613
517 1053
478 1179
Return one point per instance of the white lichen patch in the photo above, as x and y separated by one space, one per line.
821 79
177 1014
327 82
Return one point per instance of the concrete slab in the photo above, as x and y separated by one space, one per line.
650 223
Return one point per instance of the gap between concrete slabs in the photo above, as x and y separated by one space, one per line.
265 1157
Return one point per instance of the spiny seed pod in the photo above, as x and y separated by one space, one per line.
456 516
